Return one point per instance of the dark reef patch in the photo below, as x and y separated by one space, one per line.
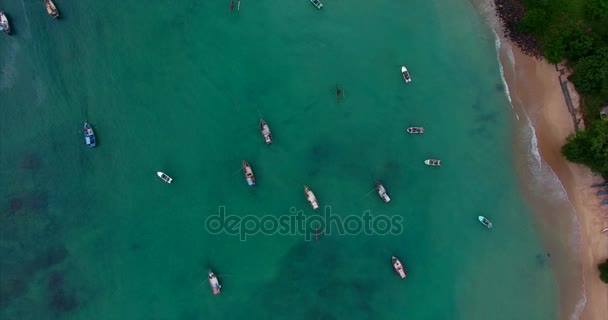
16 279
26 203
15 204
61 299
31 161
314 286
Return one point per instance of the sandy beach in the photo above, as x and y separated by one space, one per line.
536 92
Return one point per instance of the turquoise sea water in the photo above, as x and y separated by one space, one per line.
179 86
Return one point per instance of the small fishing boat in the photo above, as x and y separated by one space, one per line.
406 74
310 196
248 173
214 283
51 8
415 130
398 266
317 3
604 230
382 192
164 177
432 162
485 222
4 25
89 135
602 192
265 130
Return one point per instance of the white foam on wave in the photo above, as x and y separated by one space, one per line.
498 45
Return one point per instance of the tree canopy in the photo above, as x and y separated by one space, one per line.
589 147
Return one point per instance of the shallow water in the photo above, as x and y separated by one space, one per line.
180 87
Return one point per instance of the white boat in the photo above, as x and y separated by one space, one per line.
265 131
310 196
214 283
415 130
398 266
485 222
382 192
164 177
406 74
317 3
432 162
4 25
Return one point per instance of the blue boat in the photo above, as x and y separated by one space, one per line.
89 135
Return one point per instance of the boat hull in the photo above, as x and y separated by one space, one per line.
6 27
432 162
415 130
406 75
398 267
89 136
317 3
51 9
214 283
248 172
163 176
265 131
312 199
483 220
382 192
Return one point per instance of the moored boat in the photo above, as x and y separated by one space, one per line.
382 192
89 135
415 130
164 177
485 222
265 130
214 283
406 74
317 3
51 8
248 173
310 196
4 25
398 266
432 162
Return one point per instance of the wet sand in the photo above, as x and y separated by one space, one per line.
537 94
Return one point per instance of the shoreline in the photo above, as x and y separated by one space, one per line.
565 207
537 93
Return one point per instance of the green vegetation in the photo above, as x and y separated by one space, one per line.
589 147
603 267
577 31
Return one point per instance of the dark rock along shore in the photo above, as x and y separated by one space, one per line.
510 13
